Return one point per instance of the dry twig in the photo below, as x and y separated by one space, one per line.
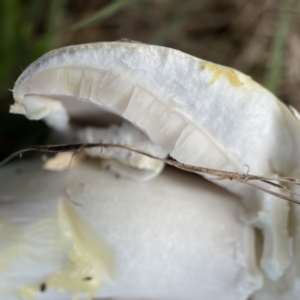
217 174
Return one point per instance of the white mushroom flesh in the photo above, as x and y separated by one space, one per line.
199 112
175 237
134 165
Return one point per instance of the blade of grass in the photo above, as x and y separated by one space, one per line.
29 22
181 14
277 49
9 14
54 18
167 31
103 13
52 27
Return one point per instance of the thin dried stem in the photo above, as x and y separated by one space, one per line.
217 174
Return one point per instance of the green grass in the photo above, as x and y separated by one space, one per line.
28 30
281 35
103 13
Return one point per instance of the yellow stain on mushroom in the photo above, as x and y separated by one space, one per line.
89 259
1 223
218 71
63 161
76 277
14 250
27 292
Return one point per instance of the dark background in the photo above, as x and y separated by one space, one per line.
258 37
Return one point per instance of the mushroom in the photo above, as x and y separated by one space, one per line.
197 112
174 237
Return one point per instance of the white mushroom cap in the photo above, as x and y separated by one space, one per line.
175 237
199 112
